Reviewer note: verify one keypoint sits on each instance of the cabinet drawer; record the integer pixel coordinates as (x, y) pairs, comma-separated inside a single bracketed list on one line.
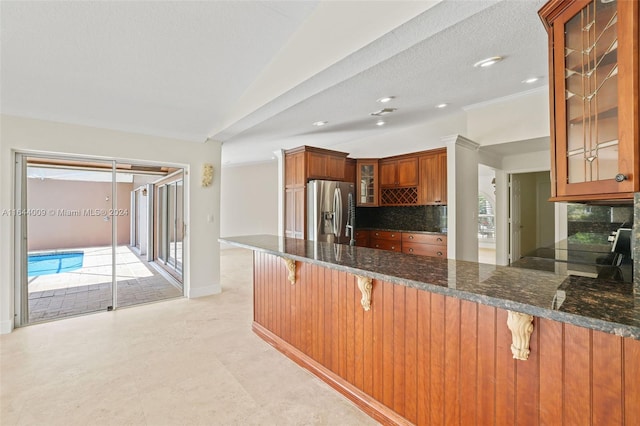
[(386, 235), (362, 234), (386, 245), (424, 249), (362, 242), (362, 238), (437, 239)]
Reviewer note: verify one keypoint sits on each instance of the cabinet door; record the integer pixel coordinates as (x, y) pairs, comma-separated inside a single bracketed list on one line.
[(350, 174), (317, 165), (407, 171), (295, 213), (335, 168), (594, 52), (362, 238), (388, 173), (367, 182), (433, 178), (441, 195), (289, 213), (294, 169), (300, 213)]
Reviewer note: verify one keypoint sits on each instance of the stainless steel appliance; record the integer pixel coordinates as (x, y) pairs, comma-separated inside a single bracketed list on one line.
[(329, 216)]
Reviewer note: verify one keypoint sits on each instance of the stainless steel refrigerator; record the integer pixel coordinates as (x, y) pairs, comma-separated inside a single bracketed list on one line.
[(331, 211)]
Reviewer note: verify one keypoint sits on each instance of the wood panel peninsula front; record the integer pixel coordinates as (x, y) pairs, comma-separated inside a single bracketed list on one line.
[(429, 341)]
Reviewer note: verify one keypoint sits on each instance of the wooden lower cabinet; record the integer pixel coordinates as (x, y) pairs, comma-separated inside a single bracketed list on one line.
[(362, 238), (385, 240), (423, 358), (434, 245), (424, 249)]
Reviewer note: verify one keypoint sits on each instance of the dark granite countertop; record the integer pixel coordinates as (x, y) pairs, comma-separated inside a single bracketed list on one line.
[(599, 304)]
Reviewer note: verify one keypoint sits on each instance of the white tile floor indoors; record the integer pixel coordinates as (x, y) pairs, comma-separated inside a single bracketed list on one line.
[(175, 362)]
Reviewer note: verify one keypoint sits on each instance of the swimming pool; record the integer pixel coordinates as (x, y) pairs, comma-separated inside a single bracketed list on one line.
[(54, 263)]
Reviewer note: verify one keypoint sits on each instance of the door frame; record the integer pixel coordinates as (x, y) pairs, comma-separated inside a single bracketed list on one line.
[(515, 218), (21, 294), (157, 186), (560, 213), (20, 261)]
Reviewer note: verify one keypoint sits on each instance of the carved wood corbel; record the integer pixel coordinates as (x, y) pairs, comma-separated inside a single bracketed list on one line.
[(365, 285), (521, 326), (291, 267)]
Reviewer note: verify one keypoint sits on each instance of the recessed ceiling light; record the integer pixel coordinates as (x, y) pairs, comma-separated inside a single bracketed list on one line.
[(530, 80), (380, 123), (320, 123), (441, 105), (383, 111), (488, 62), (386, 99)]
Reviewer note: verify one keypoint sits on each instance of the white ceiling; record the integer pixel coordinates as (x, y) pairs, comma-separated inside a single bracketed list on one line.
[(256, 74)]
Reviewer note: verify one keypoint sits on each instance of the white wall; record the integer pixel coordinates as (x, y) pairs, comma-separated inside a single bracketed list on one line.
[(249, 199), (529, 162), (510, 119), (202, 271)]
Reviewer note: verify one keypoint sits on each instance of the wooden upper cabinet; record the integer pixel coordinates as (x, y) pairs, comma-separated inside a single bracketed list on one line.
[(306, 163), (399, 171), (294, 172), (367, 182), (325, 166), (350, 170), (433, 178), (594, 86)]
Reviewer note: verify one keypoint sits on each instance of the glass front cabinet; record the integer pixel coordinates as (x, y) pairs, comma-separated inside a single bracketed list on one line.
[(593, 80), (367, 182)]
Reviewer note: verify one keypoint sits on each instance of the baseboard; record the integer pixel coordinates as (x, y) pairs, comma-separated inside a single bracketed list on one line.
[(6, 327), (203, 291), (366, 403)]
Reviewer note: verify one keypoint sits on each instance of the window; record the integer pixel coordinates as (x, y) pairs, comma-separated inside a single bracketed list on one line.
[(486, 219)]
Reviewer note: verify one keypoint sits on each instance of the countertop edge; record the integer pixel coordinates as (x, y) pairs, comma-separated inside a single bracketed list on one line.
[(621, 330)]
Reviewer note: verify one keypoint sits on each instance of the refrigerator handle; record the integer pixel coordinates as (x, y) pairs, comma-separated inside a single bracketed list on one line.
[(337, 212)]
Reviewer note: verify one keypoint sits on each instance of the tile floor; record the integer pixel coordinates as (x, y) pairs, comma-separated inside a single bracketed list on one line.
[(177, 362), (88, 289), (487, 255)]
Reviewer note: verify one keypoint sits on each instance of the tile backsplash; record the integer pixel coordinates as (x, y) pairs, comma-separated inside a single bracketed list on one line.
[(407, 218), (597, 220)]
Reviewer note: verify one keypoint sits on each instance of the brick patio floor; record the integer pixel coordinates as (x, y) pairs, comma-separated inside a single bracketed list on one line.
[(88, 289)]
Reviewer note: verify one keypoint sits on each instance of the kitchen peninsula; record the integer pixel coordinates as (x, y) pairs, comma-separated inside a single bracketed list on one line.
[(421, 340)]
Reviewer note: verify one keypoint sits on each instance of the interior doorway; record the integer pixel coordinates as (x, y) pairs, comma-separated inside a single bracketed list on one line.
[(531, 215), (486, 215), (81, 237)]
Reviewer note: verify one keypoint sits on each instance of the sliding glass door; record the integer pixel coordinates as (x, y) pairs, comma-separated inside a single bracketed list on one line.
[(170, 220), (85, 232), (67, 227)]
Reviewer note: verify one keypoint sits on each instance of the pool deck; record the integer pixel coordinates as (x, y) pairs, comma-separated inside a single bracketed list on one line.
[(88, 289)]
